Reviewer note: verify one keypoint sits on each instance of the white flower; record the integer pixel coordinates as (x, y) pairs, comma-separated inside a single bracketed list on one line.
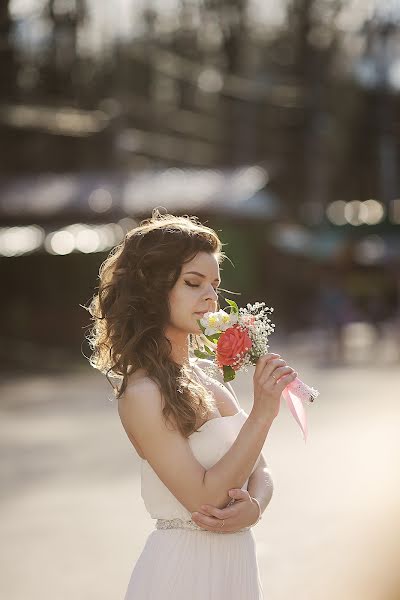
[(226, 320), (214, 322)]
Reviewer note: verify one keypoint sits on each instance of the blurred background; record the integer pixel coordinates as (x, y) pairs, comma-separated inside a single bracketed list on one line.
[(277, 124)]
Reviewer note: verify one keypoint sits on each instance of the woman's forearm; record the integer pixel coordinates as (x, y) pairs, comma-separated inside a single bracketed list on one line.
[(235, 467), (261, 486)]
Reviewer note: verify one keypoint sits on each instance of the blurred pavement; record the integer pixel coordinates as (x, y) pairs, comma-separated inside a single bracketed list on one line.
[(72, 521)]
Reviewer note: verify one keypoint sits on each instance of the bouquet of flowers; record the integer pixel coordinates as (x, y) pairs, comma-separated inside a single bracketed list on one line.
[(236, 339)]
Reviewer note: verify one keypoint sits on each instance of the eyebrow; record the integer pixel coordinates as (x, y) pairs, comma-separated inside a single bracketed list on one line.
[(200, 275)]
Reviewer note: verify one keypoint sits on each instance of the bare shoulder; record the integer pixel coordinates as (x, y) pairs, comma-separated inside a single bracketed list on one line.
[(162, 446), (227, 401), (140, 390)]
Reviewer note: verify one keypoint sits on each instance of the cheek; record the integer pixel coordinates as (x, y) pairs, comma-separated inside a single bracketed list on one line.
[(183, 299)]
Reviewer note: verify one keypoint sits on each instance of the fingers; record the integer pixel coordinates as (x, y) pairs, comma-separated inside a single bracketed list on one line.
[(274, 370), (262, 362), (285, 380), (280, 371), (211, 516), (270, 367), (219, 513), (208, 523)]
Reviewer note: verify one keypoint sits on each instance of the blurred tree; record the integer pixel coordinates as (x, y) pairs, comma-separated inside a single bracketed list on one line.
[(61, 72), (8, 63), (214, 86)]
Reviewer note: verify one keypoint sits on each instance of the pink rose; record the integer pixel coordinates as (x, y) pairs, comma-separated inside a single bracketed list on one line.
[(232, 342)]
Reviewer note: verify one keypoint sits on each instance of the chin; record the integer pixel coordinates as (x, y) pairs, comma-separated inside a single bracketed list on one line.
[(190, 327), (194, 330)]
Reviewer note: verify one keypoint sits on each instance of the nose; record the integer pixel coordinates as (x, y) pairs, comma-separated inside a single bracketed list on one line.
[(211, 294)]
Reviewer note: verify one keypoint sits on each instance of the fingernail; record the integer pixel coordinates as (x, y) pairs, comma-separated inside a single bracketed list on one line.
[(204, 508), (195, 514)]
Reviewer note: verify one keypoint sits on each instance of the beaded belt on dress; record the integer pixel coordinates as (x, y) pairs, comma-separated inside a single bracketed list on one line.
[(181, 524)]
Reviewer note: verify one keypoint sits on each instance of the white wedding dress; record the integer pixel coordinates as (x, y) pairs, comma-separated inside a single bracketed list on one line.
[(181, 561)]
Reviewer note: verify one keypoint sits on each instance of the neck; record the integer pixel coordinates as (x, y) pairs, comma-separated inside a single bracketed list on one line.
[(180, 345)]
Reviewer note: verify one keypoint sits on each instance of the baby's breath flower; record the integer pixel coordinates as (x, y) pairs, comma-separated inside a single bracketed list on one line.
[(252, 319)]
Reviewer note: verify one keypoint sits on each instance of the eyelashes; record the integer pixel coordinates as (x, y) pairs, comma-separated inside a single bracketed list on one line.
[(218, 290)]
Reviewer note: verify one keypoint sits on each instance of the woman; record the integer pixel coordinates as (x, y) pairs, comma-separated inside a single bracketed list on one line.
[(195, 441)]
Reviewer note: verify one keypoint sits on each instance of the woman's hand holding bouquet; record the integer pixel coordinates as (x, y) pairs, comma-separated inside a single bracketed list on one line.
[(270, 378), (237, 339)]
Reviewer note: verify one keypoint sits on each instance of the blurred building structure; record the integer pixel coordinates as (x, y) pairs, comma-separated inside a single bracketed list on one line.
[(275, 118)]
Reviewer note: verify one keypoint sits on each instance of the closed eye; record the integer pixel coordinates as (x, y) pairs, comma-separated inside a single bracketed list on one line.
[(197, 285)]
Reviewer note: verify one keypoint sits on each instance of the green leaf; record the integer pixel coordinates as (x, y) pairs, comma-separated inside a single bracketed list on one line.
[(214, 337), (209, 350), (229, 373), (233, 305), (201, 326), (201, 354)]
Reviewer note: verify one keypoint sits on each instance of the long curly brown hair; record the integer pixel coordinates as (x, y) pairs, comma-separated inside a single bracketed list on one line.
[(131, 310)]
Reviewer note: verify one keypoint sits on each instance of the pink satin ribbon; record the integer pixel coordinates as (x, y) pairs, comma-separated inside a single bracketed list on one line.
[(295, 394)]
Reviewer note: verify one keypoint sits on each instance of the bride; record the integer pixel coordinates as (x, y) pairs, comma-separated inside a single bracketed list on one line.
[(203, 473)]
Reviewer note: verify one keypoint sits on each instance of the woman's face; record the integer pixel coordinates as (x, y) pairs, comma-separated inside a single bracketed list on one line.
[(195, 292)]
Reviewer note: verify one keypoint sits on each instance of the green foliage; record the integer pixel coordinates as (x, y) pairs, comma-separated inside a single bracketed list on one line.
[(233, 305), (201, 354), (214, 337), (201, 326), (229, 373)]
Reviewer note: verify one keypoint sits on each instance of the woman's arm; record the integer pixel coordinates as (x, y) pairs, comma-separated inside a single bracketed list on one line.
[(244, 511), (140, 410), (260, 485)]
